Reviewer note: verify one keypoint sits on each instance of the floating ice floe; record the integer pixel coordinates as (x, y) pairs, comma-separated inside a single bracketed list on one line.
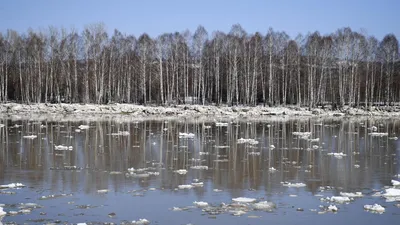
[(219, 124), (356, 166), (185, 186), (30, 136), (207, 127), (186, 135), (217, 190), (12, 185), (332, 208), (83, 127), (199, 167), (244, 200), (376, 134), (121, 133), (81, 224), (272, 169), (254, 153), (337, 199), (313, 140), (247, 141), (204, 153), (102, 191), (200, 204), (2, 213), (181, 171), (198, 184), (271, 146), (351, 194), (374, 208), (238, 212), (54, 196), (63, 148), (265, 205), (337, 155), (288, 184), (302, 135), (373, 128), (392, 194), (141, 222), (393, 138), (395, 183), (77, 130)]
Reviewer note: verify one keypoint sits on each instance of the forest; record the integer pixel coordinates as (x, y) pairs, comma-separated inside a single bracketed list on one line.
[(237, 68)]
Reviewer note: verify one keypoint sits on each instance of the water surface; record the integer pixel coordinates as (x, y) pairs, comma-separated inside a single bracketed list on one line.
[(91, 183)]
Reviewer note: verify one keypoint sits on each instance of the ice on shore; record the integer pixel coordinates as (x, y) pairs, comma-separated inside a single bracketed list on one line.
[(186, 135), (244, 200), (30, 136), (12, 185), (288, 184), (247, 141), (374, 208), (63, 148)]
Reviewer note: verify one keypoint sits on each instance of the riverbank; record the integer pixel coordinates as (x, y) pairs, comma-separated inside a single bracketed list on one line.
[(130, 111)]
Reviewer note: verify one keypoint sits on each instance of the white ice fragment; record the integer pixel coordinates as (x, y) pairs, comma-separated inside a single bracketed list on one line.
[(30, 136), (351, 194), (288, 184), (77, 130), (338, 199), (204, 153), (2, 213), (395, 183), (1, 125), (313, 140), (200, 204), (254, 153), (141, 222), (247, 141), (207, 127), (199, 184), (181, 171), (81, 224), (332, 208), (272, 169), (102, 191), (244, 200), (265, 205), (199, 167), (83, 127), (302, 135), (238, 212), (186, 135), (375, 208), (217, 190), (121, 133), (356, 166), (63, 148), (271, 146), (375, 134), (12, 185), (391, 192), (337, 155), (373, 128), (185, 186), (393, 138), (218, 124)]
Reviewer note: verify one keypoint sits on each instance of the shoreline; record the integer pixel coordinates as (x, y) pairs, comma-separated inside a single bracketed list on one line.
[(131, 112)]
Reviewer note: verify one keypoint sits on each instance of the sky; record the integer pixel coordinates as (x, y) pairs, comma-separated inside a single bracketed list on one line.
[(376, 17)]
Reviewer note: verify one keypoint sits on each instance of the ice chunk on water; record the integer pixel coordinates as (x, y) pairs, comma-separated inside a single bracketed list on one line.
[(199, 167), (247, 141), (265, 205), (200, 204), (375, 134), (375, 208), (83, 127), (288, 184), (81, 224), (181, 171), (63, 148), (217, 124), (272, 169), (351, 195), (2, 213), (121, 133), (141, 222), (12, 185), (244, 200), (186, 135), (395, 183), (332, 208), (30, 137), (338, 199), (302, 135), (337, 155), (185, 186), (102, 191)]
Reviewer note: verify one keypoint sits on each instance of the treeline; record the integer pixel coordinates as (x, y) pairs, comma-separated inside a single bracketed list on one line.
[(59, 65)]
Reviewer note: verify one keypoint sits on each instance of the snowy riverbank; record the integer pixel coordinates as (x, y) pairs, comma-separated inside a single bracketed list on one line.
[(129, 111)]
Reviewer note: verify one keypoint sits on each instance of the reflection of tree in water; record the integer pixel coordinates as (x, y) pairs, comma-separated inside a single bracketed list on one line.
[(232, 166)]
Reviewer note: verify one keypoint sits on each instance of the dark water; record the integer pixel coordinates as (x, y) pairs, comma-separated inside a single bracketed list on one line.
[(99, 160)]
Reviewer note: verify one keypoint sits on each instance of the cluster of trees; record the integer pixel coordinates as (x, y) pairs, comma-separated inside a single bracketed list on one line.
[(59, 65)]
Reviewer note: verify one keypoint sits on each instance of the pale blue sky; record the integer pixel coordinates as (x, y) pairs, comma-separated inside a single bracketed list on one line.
[(378, 17)]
